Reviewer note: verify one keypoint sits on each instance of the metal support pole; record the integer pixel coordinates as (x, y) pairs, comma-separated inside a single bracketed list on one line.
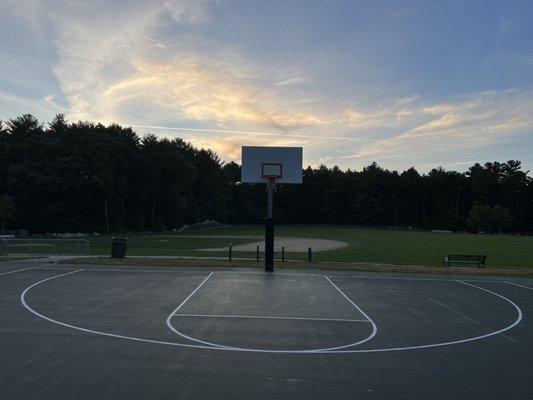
[(230, 250), (269, 228), (282, 253), (257, 253), (309, 254)]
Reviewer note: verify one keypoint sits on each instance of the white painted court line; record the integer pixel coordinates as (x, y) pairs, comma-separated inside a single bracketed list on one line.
[(159, 342), (516, 284), (18, 270), (173, 313), (426, 346), (319, 350), (374, 326), (133, 338), (188, 270), (190, 295), (359, 276), (78, 328), (184, 271), (406, 278), (270, 317), (179, 271)]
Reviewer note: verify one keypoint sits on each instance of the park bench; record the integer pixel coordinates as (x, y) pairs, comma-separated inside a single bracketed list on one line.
[(465, 259)]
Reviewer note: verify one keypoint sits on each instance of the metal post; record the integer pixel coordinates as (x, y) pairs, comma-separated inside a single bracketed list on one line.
[(269, 228), (229, 252), (257, 253), (309, 254), (282, 253)]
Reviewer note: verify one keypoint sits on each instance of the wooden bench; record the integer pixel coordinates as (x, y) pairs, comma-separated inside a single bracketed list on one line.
[(465, 259)]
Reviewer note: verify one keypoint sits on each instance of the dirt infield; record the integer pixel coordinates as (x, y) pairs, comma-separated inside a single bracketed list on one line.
[(291, 244)]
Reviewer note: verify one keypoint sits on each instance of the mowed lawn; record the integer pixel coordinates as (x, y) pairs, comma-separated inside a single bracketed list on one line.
[(364, 244)]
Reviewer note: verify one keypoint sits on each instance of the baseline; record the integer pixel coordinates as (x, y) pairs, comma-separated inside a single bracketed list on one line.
[(189, 270), (516, 284), (18, 270)]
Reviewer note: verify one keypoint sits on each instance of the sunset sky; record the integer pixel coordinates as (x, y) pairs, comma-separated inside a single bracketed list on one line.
[(402, 83)]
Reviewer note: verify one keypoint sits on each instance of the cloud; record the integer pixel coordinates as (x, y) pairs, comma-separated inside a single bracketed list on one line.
[(117, 64), (46, 105), (190, 11), (152, 64), (189, 87), (295, 80), (230, 147), (468, 122), (245, 133), (28, 10), (446, 120)]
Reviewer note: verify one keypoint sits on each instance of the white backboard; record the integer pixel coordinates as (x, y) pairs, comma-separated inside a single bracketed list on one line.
[(256, 160)]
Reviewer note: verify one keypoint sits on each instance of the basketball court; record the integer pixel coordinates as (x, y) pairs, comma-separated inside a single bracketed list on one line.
[(74, 331)]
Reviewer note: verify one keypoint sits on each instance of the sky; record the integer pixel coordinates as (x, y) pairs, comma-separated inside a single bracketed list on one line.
[(402, 83)]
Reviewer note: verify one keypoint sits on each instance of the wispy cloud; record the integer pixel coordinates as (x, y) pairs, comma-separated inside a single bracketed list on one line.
[(251, 133), (191, 11), (471, 121), (46, 104), (152, 65), (230, 148), (110, 68), (194, 88), (295, 80)]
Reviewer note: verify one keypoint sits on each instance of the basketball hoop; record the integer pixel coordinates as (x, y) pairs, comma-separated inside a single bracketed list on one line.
[(272, 171), (271, 165)]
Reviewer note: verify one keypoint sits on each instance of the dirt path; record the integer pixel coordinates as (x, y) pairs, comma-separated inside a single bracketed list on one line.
[(291, 244), (213, 236)]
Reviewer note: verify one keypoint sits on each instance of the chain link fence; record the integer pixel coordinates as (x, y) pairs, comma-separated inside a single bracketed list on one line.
[(35, 247)]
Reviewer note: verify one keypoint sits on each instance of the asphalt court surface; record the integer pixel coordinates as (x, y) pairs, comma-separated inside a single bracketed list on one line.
[(129, 332)]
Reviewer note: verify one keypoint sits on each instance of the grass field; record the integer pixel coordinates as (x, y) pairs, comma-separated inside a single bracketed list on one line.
[(365, 245)]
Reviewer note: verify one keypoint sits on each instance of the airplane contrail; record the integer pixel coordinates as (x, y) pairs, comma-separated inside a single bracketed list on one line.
[(222, 131)]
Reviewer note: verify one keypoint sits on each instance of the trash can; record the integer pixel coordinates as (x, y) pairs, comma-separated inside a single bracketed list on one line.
[(118, 247)]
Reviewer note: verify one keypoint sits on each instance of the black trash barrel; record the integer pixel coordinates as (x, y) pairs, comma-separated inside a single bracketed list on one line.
[(118, 247)]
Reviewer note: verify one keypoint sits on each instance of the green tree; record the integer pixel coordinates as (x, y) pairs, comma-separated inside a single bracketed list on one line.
[(489, 219), (7, 210), (480, 218), (88, 177), (502, 218)]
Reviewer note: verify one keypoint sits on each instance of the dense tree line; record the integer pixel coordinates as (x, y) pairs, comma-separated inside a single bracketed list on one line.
[(89, 177)]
